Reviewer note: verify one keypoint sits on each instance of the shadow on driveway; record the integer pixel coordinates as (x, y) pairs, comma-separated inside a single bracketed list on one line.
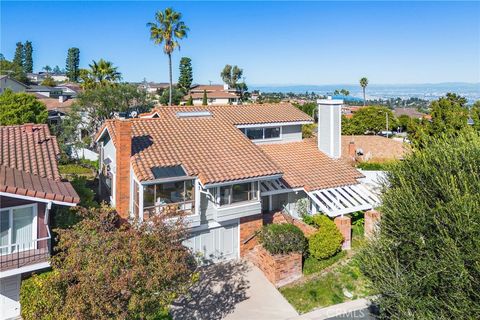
[(220, 288)]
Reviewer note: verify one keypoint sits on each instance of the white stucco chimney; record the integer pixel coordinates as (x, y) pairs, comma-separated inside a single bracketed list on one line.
[(330, 127)]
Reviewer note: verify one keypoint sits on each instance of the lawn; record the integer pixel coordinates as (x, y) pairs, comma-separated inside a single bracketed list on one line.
[(328, 289), (73, 168)]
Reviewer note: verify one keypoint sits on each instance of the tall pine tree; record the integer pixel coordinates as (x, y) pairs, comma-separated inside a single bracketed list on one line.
[(19, 56), (28, 59), (72, 64), (186, 75)]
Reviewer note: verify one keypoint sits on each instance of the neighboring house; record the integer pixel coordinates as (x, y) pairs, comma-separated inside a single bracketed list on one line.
[(372, 148), (152, 87), (222, 167), (410, 112), (348, 111), (40, 76), (29, 185), (9, 83), (216, 95)]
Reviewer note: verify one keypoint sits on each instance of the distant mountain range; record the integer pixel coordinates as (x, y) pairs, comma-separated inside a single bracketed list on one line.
[(427, 91)]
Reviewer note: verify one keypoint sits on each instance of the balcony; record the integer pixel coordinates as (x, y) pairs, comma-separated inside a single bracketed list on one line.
[(184, 208), (18, 255)]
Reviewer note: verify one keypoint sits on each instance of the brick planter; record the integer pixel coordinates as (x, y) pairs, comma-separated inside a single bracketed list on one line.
[(279, 269)]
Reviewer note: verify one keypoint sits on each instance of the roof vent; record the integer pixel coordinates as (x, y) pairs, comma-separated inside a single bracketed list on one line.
[(194, 114)]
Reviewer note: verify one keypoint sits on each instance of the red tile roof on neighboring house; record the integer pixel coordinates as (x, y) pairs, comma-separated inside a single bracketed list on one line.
[(212, 95), (374, 148), (212, 87), (304, 166), (248, 113), (29, 153)]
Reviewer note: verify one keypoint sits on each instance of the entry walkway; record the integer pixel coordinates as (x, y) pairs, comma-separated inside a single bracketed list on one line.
[(233, 290)]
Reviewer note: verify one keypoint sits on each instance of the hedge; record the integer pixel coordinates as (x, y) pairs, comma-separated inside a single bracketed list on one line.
[(327, 241), (282, 238)]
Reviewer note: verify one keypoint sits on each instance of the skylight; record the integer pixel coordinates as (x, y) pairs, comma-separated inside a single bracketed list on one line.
[(193, 114)]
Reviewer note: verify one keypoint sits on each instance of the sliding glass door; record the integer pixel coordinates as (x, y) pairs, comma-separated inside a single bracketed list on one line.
[(17, 229)]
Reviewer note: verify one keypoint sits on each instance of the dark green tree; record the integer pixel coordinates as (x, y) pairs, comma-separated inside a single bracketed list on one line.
[(186, 75), (49, 82), (57, 70), (20, 108), (177, 96), (449, 115), (190, 101), (12, 70), (205, 98), (28, 62), (72, 64), (424, 261), (19, 57), (168, 29), (369, 120)]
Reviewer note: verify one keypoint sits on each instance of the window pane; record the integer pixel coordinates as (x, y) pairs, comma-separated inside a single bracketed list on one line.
[(225, 195), (170, 192), (272, 133), (4, 226), (148, 196), (240, 192), (253, 192), (255, 133), (22, 227)]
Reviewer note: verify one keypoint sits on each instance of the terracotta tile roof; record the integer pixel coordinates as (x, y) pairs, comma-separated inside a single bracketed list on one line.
[(207, 147), (249, 113), (212, 87), (31, 150), (303, 165), (28, 157), (26, 184), (375, 148)]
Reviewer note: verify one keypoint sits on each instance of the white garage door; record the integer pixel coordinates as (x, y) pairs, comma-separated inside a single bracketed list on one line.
[(9, 297), (216, 244)]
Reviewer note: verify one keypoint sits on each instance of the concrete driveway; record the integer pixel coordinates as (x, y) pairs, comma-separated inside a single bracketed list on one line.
[(233, 290)]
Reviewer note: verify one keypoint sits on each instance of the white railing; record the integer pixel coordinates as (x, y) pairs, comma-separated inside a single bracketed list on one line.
[(17, 255), (170, 209)]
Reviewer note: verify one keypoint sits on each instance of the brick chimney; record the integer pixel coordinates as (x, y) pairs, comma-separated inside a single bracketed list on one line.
[(123, 154), (330, 127)]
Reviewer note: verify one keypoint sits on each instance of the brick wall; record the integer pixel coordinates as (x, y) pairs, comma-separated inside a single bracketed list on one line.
[(279, 269), (248, 227), (123, 153)]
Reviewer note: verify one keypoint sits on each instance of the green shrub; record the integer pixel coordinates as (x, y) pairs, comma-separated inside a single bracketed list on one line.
[(327, 241), (282, 238), (374, 166), (39, 297)]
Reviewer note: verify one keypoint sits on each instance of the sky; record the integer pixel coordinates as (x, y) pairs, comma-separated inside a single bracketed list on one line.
[(275, 43)]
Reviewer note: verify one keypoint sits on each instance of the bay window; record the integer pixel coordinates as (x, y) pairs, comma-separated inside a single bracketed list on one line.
[(178, 195)]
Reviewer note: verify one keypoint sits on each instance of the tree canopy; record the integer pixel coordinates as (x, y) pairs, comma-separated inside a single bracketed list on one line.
[(12, 69), (369, 120), (101, 73), (424, 261), (231, 75), (28, 59), (105, 269), (449, 115), (72, 64), (20, 108)]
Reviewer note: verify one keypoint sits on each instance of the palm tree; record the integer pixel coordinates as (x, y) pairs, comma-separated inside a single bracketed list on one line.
[(104, 72), (168, 28), (363, 84)]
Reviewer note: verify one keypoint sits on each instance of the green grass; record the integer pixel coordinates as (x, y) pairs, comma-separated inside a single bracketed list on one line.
[(312, 265), (72, 168), (328, 289)]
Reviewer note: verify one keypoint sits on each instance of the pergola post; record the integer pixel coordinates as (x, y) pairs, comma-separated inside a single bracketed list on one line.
[(344, 225)]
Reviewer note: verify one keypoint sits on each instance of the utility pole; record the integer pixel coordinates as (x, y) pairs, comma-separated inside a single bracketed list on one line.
[(386, 115)]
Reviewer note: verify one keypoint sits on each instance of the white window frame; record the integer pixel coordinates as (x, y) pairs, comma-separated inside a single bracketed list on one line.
[(10, 222)]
